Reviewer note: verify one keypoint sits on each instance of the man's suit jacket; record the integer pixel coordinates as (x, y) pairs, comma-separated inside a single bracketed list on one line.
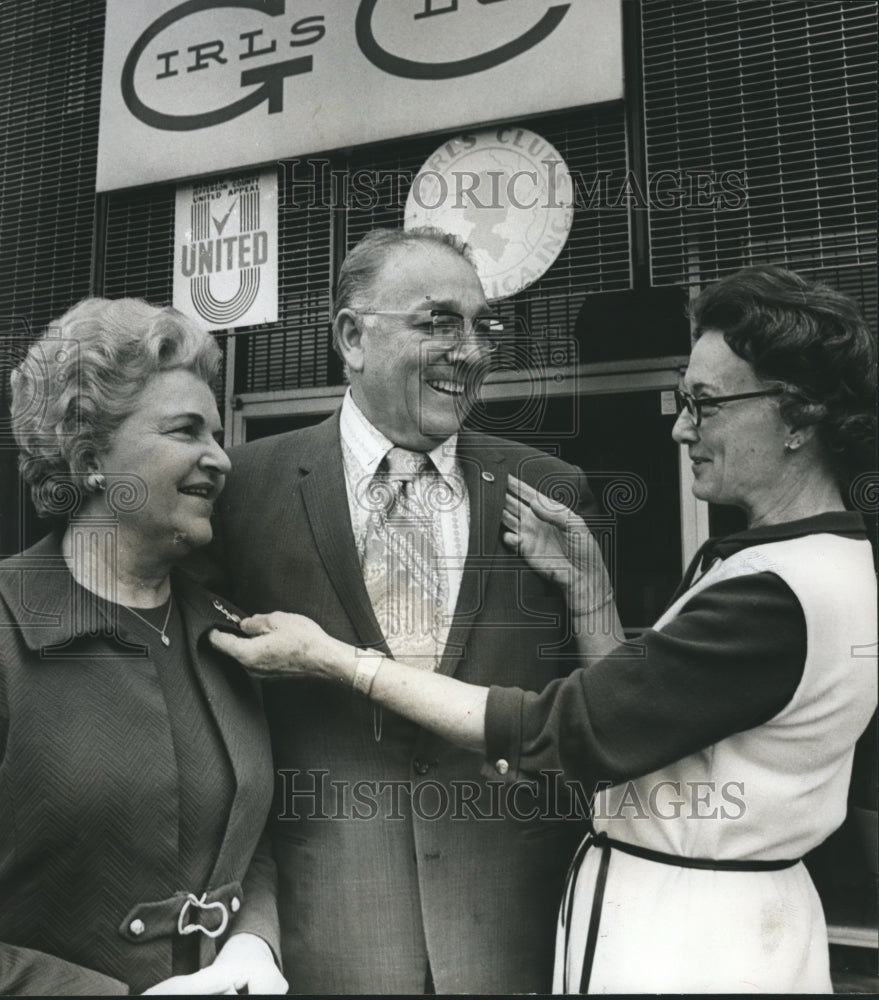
[(89, 835), (364, 866)]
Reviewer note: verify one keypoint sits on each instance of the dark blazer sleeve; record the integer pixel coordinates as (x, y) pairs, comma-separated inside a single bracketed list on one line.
[(729, 662), (24, 971), (587, 505), (259, 915)]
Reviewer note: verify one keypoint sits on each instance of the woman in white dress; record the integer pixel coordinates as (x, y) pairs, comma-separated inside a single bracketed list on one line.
[(719, 744)]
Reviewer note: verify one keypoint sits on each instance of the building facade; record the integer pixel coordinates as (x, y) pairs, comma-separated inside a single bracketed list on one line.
[(745, 133)]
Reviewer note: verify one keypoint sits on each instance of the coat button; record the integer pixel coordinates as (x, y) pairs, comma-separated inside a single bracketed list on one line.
[(420, 766), (488, 477), (137, 927), (234, 904), (502, 766)]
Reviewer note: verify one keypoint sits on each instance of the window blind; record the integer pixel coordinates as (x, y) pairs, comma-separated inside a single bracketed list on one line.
[(782, 93)]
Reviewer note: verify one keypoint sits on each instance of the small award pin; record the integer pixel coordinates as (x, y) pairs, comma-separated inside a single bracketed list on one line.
[(225, 611)]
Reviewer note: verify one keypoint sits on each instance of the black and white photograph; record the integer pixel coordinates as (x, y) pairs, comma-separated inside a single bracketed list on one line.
[(439, 497)]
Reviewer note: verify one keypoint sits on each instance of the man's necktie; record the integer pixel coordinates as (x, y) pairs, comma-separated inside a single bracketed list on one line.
[(404, 577)]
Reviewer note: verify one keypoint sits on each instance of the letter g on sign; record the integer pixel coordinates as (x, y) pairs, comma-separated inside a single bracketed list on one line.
[(412, 70), (270, 77)]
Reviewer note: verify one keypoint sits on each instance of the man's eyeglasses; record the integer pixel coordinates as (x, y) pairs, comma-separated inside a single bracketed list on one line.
[(441, 324), (693, 404)]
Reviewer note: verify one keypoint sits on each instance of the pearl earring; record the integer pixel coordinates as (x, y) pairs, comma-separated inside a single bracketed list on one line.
[(95, 482)]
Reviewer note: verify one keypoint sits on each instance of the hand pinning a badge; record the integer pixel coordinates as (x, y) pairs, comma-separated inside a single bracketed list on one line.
[(280, 645)]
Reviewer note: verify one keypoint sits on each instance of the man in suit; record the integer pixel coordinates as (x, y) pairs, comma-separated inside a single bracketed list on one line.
[(404, 864)]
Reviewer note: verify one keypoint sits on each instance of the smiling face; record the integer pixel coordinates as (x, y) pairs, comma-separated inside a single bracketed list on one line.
[(410, 387), (169, 443), (738, 449)]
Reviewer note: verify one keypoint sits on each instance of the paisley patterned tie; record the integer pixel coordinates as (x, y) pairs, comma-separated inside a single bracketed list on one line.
[(402, 571)]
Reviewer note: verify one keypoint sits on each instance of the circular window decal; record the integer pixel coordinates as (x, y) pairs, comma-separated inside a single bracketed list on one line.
[(508, 193)]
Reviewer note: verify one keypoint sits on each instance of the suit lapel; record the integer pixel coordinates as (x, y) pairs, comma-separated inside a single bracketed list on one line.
[(325, 497), (485, 473)]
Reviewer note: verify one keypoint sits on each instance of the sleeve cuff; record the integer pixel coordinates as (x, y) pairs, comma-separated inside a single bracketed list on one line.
[(503, 732), (260, 928)]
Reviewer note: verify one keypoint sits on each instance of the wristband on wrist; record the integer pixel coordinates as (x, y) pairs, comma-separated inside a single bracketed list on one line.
[(368, 663)]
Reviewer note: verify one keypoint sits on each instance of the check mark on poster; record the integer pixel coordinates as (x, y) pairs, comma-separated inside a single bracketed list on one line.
[(221, 223)]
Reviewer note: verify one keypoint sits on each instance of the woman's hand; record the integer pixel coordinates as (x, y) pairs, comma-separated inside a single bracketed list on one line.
[(285, 645), (557, 544), (245, 962)]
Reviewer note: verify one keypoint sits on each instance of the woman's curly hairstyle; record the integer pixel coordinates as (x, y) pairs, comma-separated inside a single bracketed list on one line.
[(83, 377), (814, 343)]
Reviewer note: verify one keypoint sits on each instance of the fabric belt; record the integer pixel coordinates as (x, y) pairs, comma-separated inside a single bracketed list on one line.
[(184, 913), (605, 844)]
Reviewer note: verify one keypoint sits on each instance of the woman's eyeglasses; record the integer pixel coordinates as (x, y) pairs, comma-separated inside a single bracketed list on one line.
[(693, 404), (485, 330)]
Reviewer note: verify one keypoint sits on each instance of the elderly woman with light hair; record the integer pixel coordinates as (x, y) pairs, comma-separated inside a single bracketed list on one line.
[(718, 744), (135, 769)]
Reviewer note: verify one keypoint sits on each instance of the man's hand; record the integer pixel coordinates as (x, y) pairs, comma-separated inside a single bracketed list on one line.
[(284, 645), (245, 962)]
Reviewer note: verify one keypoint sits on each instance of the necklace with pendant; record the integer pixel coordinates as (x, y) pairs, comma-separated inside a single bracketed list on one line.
[(165, 640)]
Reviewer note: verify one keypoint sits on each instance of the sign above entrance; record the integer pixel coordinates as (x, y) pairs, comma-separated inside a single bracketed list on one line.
[(204, 86), (507, 193)]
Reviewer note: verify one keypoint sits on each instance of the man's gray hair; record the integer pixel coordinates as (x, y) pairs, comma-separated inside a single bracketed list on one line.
[(359, 272)]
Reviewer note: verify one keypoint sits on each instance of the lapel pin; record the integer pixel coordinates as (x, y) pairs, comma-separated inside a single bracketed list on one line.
[(225, 611)]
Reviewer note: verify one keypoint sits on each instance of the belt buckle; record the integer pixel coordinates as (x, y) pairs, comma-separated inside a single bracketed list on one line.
[(183, 927)]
